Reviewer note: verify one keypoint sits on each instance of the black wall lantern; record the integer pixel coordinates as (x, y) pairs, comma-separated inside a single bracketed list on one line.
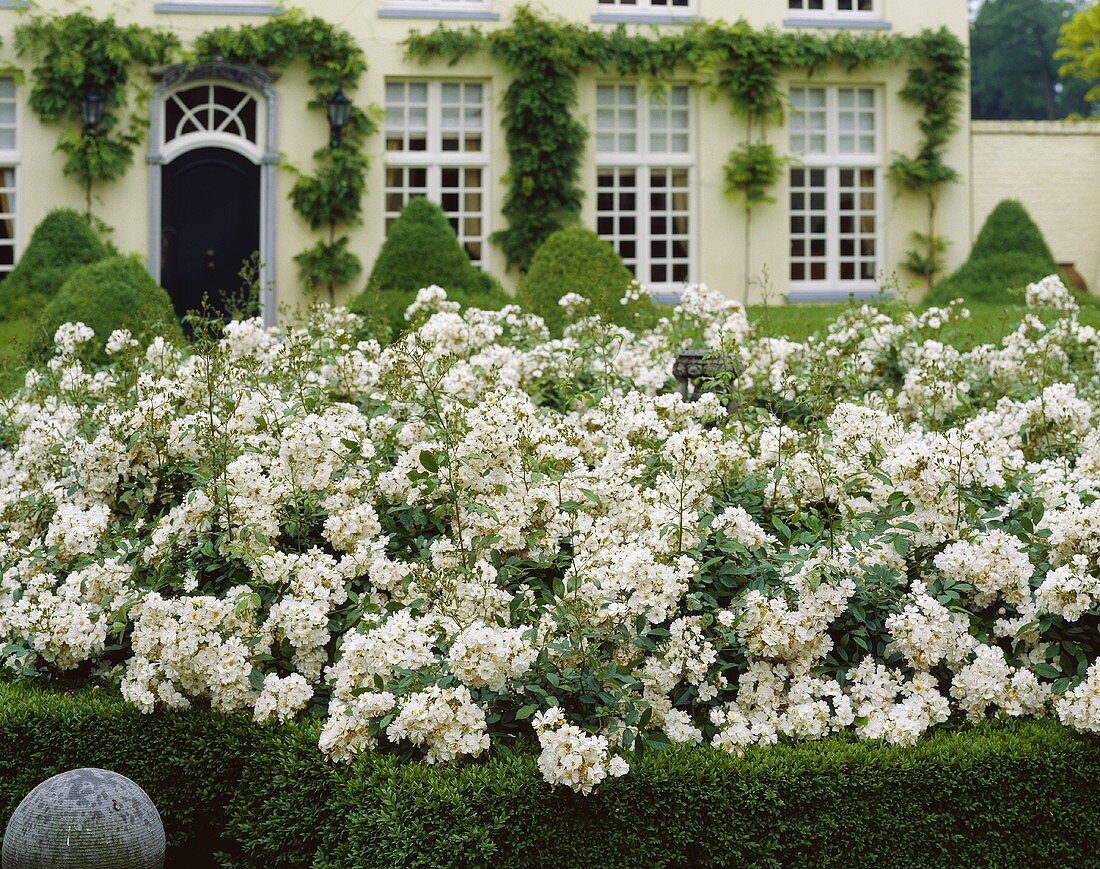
[(339, 110), (91, 107)]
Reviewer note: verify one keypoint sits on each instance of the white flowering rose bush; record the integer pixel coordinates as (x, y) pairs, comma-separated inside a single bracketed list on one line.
[(479, 536)]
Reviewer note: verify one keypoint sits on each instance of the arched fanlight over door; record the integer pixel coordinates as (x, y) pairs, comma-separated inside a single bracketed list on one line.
[(210, 108), (212, 114)]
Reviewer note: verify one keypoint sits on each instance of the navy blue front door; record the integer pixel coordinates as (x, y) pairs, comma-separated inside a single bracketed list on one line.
[(210, 226)]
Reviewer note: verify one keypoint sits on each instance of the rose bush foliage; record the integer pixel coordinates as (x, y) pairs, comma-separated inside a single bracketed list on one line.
[(480, 535)]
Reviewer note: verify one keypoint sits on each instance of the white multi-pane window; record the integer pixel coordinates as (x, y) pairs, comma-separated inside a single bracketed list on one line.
[(9, 157), (644, 180), (647, 6), (836, 188), (839, 8), (436, 147)]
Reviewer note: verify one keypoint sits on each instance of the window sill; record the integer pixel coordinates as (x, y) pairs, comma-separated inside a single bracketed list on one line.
[(666, 297), (218, 8), (441, 14), (834, 295), (642, 18), (839, 23)]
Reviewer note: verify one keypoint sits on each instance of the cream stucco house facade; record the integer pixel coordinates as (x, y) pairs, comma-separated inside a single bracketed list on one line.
[(652, 170)]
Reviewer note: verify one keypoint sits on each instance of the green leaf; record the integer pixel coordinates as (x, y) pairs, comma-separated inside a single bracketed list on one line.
[(525, 712), (591, 496)]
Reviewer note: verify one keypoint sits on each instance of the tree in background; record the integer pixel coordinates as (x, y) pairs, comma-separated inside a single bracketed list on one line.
[(1079, 47), (1015, 75)]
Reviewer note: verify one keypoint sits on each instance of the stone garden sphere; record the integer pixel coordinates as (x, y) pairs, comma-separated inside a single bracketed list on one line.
[(85, 819)]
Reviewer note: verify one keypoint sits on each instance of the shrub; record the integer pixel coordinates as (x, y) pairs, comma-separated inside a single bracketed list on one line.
[(576, 260), (1010, 229), (420, 250), (535, 526), (1009, 253), (264, 797), (959, 799), (385, 310), (115, 293), (60, 244), (187, 761), (996, 278)]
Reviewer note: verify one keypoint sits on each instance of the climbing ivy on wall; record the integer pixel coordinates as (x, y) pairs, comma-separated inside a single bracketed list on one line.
[(333, 195), (546, 142), (937, 82), (72, 52)]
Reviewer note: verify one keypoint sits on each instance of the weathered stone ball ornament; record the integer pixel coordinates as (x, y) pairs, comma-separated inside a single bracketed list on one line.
[(85, 819)]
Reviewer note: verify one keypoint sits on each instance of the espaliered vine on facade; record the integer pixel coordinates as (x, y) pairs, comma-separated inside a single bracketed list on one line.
[(72, 53), (546, 142), (936, 82), (333, 195)]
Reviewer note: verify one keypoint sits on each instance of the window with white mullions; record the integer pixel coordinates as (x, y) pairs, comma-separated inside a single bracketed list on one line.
[(838, 8), (644, 181), (9, 156), (647, 6), (809, 225), (7, 220), (244, 6), (402, 184), (435, 147), (858, 224), (835, 192)]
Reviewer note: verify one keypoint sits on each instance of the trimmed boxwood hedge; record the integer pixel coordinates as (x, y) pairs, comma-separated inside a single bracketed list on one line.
[(997, 794), (422, 249), (188, 762), (576, 260), (1008, 254), (62, 243), (115, 293)]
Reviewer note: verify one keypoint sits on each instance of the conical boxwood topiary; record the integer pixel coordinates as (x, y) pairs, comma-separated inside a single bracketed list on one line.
[(114, 293), (1009, 253), (62, 243), (421, 250), (385, 311), (1010, 229), (576, 260)]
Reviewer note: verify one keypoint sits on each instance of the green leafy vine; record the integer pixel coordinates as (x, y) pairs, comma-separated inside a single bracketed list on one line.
[(333, 195), (74, 52), (937, 81), (546, 142)]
